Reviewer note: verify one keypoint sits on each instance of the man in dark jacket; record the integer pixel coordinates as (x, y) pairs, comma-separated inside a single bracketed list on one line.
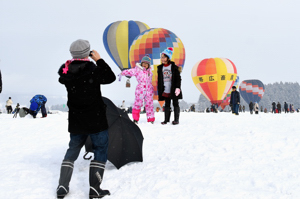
[(235, 100), (251, 107), (279, 107), (273, 107), (87, 114), (286, 107)]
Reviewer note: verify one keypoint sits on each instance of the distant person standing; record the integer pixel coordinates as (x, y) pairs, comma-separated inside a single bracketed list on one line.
[(244, 108), (273, 107), (9, 102), (251, 107), (256, 108), (286, 107), (261, 109), (235, 100), (279, 107), (123, 106)]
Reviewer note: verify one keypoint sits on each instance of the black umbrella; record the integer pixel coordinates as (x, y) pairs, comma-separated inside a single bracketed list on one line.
[(125, 137)]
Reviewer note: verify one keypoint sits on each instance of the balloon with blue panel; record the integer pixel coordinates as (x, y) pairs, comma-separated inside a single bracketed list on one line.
[(117, 39), (252, 90)]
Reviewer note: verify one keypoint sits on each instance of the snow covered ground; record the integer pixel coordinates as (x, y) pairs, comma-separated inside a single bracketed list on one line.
[(207, 156)]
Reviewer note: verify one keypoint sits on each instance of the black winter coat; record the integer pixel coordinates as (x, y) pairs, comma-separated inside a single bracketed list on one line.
[(279, 106), (175, 82), (235, 97), (87, 112), (251, 106)]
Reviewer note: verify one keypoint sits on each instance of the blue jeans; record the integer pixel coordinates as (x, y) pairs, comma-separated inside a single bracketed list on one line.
[(236, 108), (99, 141)]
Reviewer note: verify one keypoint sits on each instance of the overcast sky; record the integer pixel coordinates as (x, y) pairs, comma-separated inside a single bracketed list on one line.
[(260, 37)]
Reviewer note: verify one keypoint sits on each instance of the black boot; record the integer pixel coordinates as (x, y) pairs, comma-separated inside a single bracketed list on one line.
[(176, 115), (66, 171), (167, 115), (96, 176)]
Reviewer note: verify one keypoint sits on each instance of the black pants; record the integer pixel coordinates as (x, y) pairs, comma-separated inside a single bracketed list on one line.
[(9, 109), (168, 102)]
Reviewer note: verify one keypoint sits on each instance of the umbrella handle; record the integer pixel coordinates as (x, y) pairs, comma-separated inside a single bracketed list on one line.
[(84, 157)]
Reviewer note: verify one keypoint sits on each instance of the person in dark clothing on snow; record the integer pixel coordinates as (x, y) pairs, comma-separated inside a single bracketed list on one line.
[(169, 85), (286, 106), (16, 111), (87, 114), (235, 100), (251, 107), (279, 107), (273, 107)]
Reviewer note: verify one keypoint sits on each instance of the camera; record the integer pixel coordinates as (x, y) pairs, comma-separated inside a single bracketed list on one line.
[(90, 53)]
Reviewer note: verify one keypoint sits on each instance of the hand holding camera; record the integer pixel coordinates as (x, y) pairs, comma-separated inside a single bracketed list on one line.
[(95, 55)]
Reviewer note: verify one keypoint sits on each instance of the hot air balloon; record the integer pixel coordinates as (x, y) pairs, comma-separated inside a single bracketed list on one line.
[(226, 100), (214, 78), (117, 39), (252, 90), (153, 42)]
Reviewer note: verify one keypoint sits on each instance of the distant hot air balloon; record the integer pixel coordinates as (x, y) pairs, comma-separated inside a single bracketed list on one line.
[(226, 100), (153, 42), (252, 90), (118, 37), (214, 78)]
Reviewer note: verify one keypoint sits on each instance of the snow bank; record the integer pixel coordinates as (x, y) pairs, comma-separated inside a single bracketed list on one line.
[(206, 156)]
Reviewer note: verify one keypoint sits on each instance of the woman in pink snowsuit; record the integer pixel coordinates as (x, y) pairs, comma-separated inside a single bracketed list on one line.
[(144, 89)]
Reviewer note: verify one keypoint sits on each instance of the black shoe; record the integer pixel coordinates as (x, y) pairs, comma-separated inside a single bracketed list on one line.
[(135, 121), (96, 176), (64, 179), (174, 122), (167, 115), (176, 115)]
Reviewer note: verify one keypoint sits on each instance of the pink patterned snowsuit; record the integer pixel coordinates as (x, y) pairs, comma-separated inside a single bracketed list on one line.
[(143, 91)]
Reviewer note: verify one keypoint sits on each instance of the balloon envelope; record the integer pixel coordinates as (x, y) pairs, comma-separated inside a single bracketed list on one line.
[(214, 78), (252, 90), (117, 39), (153, 42)]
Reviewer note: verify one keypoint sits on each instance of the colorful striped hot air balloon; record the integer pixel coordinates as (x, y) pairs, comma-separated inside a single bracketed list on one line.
[(226, 100), (153, 42), (214, 78), (252, 90), (117, 39)]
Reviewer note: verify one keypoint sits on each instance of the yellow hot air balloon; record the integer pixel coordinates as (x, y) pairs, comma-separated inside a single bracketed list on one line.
[(117, 39), (214, 78)]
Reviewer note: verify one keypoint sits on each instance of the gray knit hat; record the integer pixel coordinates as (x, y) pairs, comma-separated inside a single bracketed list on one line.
[(80, 48)]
